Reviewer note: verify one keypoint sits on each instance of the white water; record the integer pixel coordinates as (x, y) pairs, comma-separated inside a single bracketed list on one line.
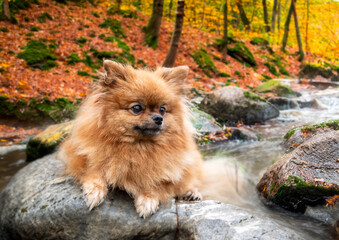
[(255, 157)]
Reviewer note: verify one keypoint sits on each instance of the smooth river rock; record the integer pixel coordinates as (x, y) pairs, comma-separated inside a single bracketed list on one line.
[(230, 105), (41, 203)]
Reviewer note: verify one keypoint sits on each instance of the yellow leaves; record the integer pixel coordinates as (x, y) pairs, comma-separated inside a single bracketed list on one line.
[(4, 64)]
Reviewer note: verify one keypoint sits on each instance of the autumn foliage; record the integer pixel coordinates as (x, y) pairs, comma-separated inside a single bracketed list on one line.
[(76, 40)]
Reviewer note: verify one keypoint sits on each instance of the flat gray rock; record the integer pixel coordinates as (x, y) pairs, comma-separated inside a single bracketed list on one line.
[(216, 221), (41, 203)]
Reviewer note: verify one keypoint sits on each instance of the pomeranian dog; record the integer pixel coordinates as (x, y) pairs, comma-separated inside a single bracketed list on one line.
[(133, 133)]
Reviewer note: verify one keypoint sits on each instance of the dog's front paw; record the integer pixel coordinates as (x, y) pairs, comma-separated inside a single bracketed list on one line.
[(146, 206), (94, 192), (192, 196)]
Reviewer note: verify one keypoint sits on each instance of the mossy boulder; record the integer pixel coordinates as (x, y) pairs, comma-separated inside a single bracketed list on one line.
[(38, 55), (232, 104), (35, 110), (311, 71), (241, 53), (275, 86), (47, 141), (306, 176), (262, 43), (259, 41), (295, 137), (201, 57)]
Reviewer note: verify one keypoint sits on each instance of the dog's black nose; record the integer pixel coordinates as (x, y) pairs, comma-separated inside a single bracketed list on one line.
[(157, 119)]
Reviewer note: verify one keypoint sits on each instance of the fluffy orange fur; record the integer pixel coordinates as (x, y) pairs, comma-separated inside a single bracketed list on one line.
[(112, 145)]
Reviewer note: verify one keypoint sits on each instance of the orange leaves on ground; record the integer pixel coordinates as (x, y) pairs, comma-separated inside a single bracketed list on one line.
[(70, 22), (10, 134), (331, 201)]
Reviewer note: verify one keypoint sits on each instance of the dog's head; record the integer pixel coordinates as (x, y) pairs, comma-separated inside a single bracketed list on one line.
[(142, 104)]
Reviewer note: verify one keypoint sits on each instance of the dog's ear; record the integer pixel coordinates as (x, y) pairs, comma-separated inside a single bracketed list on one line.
[(113, 72), (175, 76)]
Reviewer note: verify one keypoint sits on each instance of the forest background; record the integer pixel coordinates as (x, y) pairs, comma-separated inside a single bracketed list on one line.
[(51, 51)]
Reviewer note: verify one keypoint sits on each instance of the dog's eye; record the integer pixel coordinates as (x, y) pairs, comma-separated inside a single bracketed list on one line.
[(137, 109), (162, 110)]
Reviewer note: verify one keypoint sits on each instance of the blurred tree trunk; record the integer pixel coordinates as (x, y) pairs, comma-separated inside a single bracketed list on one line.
[(297, 29), (6, 9), (224, 51), (274, 15), (242, 13), (170, 9), (203, 18), (267, 26), (152, 30), (179, 21), (307, 19), (279, 14), (287, 26)]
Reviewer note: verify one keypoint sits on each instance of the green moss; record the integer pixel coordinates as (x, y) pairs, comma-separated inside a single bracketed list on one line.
[(30, 34), (34, 110), (102, 36), (201, 57), (333, 124), (48, 65), (83, 73), (88, 61), (151, 40), (312, 70), (38, 55), (109, 39), (95, 14), (282, 69), (81, 40), (26, 19), (219, 42), (103, 54), (123, 57), (276, 87), (35, 29), (128, 14), (272, 68), (73, 58), (141, 62), (272, 188), (23, 210), (253, 96), (43, 207), (42, 18), (4, 29), (222, 74), (298, 195), (92, 34), (241, 53), (114, 25), (259, 41)]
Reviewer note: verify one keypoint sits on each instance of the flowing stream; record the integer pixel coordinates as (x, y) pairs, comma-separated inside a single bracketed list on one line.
[(254, 156)]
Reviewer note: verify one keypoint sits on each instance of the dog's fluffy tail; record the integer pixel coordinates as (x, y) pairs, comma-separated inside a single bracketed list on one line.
[(225, 182)]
